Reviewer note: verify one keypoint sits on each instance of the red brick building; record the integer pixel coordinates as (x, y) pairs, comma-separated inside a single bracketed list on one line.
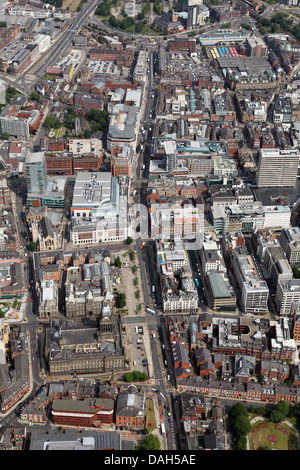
[(296, 327), (129, 409), (91, 412), (67, 164), (181, 45)]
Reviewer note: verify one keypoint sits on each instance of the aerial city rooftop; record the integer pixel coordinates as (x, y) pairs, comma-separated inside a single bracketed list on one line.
[(149, 225)]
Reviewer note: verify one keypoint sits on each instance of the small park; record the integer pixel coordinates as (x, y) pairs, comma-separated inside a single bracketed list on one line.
[(266, 435), (271, 427)]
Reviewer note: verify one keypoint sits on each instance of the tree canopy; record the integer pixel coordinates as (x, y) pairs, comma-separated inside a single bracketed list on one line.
[(121, 301), (51, 122), (151, 442), (97, 119), (241, 424)]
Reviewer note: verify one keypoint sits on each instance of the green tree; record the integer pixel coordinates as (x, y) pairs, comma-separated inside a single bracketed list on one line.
[(113, 21), (126, 23), (277, 416), (35, 96), (118, 262), (51, 122), (238, 410), (297, 410), (32, 246), (151, 442), (121, 301), (103, 8), (128, 377), (241, 443), (283, 407), (246, 26), (97, 119), (242, 425), (87, 134), (139, 27), (5, 136), (128, 241), (139, 376), (10, 92), (296, 272)]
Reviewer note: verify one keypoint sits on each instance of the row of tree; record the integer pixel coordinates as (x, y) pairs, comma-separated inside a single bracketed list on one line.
[(136, 376)]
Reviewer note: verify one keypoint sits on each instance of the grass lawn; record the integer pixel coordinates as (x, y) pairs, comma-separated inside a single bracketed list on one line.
[(66, 3), (269, 435), (59, 132), (74, 5), (50, 77), (150, 418)]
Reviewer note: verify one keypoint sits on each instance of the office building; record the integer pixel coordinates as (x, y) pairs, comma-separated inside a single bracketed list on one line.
[(277, 167), (290, 241), (254, 291), (197, 13), (288, 297), (88, 412), (277, 265), (256, 47), (41, 189), (99, 208), (171, 155), (221, 293), (14, 126), (282, 110), (36, 173), (122, 129), (95, 195)]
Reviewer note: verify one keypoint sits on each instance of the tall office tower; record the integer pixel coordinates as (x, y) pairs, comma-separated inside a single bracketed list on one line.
[(36, 173), (277, 168), (197, 13), (171, 155)]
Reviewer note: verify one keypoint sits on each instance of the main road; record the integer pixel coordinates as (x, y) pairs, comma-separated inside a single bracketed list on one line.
[(59, 47)]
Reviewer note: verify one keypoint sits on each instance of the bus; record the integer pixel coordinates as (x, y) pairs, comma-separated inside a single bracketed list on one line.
[(153, 289), (197, 282), (163, 431), (149, 310)]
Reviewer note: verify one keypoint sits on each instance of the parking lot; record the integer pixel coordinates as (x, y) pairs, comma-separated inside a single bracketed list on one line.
[(194, 63), (137, 347), (74, 58), (106, 67)]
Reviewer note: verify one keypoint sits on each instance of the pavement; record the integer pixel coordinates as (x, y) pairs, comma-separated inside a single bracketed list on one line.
[(17, 315), (128, 282)]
